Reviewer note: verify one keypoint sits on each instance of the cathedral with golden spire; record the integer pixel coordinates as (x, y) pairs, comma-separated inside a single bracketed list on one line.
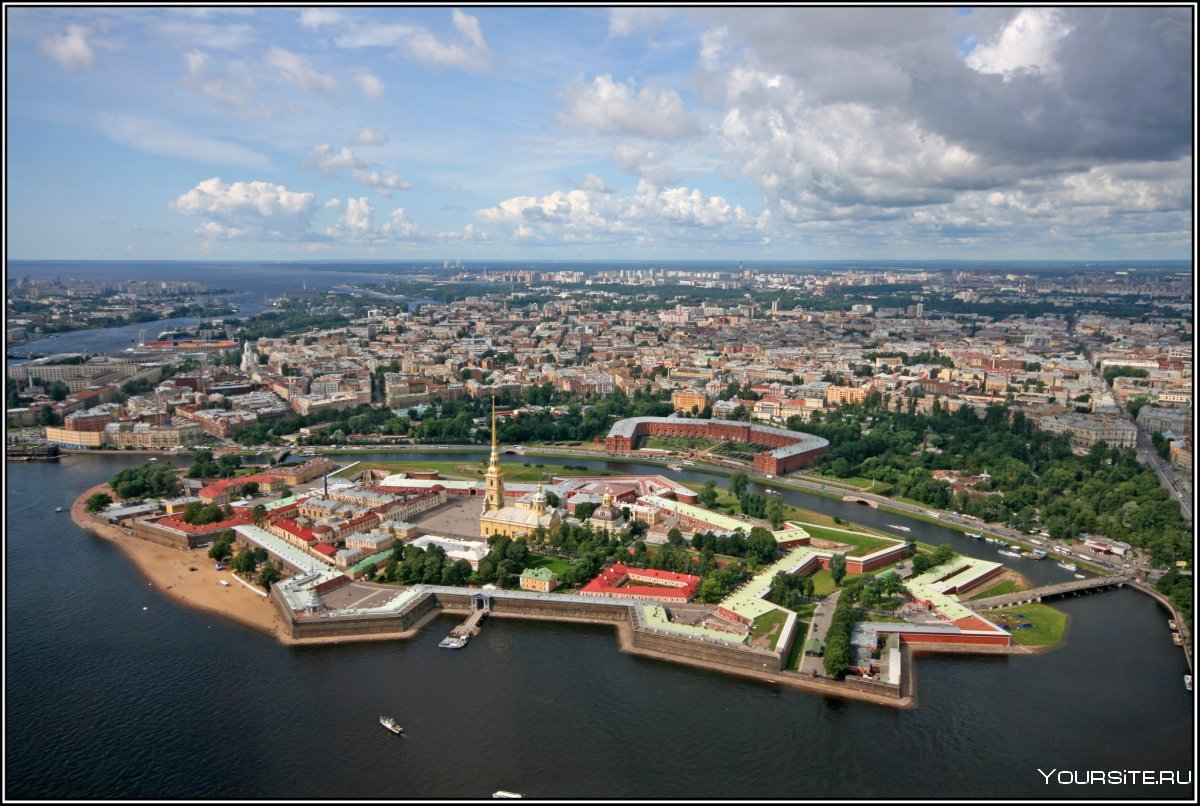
[(524, 515)]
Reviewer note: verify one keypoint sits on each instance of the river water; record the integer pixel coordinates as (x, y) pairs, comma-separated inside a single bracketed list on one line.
[(114, 691), (250, 286)]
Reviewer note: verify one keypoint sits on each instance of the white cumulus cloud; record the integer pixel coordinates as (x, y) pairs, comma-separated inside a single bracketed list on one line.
[(612, 107), (370, 84), (329, 162), (71, 49), (642, 163), (260, 210), (325, 159), (1028, 43), (382, 182)]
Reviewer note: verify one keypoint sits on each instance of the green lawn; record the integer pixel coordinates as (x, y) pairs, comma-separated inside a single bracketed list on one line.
[(766, 622), (862, 543), (727, 503), (447, 468), (556, 564), (513, 471), (797, 652), (1050, 625), (823, 583), (999, 589), (677, 443), (861, 482)]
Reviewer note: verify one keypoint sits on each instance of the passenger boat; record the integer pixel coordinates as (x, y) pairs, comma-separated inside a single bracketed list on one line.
[(899, 527), (1068, 566), (391, 725), (453, 642), (676, 468), (504, 793), (1008, 553)]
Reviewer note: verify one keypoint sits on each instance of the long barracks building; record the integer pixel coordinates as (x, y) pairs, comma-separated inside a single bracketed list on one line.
[(789, 450)]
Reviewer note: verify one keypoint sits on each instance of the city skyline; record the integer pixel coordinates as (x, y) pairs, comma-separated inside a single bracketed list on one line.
[(562, 133)]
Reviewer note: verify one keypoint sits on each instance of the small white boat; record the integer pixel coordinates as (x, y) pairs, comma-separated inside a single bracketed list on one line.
[(1008, 553), (59, 509), (769, 491), (391, 724), (676, 468), (1080, 576), (975, 535), (504, 793), (898, 527), (1068, 566), (1187, 681), (452, 642)]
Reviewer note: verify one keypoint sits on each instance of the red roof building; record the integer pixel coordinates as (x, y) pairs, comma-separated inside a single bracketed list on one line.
[(662, 586)]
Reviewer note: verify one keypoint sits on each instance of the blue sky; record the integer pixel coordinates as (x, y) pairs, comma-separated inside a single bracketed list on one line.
[(548, 133)]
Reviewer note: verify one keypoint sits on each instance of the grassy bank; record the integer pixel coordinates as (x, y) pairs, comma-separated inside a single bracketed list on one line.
[(1049, 625)]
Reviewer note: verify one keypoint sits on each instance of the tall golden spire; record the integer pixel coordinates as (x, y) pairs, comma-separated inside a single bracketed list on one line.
[(494, 478)]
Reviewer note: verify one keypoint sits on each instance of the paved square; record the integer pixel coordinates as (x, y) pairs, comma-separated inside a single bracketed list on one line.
[(458, 517)]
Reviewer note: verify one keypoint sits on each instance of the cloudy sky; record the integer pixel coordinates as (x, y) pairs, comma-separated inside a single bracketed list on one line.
[(546, 133)]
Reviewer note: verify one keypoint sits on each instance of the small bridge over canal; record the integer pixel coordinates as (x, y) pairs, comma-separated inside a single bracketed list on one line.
[(854, 499), (1072, 588)]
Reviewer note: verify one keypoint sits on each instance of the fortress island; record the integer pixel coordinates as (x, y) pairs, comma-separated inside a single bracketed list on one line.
[(333, 542)]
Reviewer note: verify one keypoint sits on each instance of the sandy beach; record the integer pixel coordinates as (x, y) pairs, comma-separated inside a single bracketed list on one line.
[(166, 569)]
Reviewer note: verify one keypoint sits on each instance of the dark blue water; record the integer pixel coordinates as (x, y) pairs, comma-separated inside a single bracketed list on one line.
[(106, 700)]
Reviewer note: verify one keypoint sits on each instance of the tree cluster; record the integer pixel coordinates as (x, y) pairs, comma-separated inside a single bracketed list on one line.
[(152, 478), (924, 562), (430, 567), (198, 514), (837, 642), (790, 591), (1040, 479), (96, 502)]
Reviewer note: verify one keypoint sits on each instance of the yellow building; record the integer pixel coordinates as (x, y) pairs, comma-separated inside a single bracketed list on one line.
[(523, 516), (542, 580), (685, 399)]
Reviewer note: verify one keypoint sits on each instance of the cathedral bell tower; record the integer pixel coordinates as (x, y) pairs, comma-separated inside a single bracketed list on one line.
[(493, 497)]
